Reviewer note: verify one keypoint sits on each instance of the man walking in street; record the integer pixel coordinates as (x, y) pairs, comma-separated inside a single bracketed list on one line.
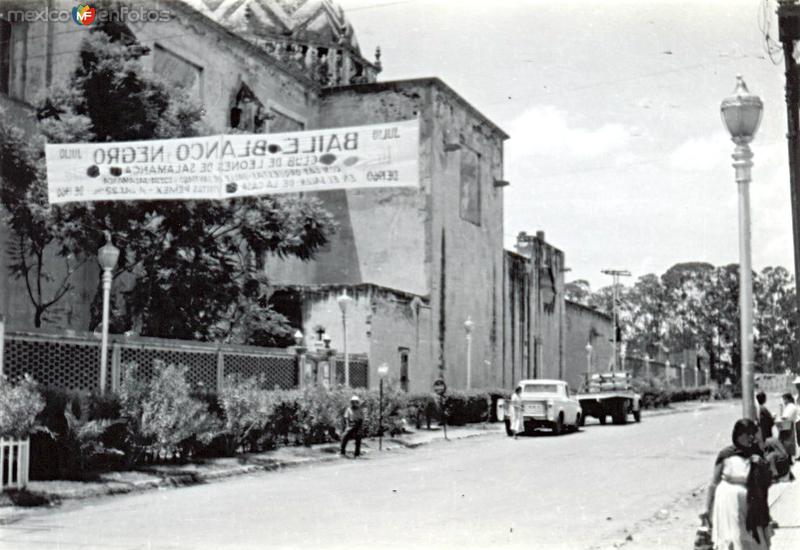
[(353, 421)]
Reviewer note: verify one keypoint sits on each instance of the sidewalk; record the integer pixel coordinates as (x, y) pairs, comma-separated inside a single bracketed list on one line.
[(675, 525), (41, 493), (785, 509)]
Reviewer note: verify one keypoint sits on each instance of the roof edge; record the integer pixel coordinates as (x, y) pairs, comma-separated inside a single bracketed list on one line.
[(426, 81)]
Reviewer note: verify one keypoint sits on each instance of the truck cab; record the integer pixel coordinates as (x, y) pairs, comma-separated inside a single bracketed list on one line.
[(544, 403)]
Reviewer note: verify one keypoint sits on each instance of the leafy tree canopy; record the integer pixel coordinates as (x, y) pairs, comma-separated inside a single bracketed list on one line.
[(188, 269)]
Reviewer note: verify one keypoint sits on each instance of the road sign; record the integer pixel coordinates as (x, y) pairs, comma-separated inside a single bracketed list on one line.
[(440, 387)]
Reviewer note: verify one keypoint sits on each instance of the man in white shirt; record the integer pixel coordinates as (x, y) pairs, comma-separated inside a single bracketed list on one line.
[(788, 419)]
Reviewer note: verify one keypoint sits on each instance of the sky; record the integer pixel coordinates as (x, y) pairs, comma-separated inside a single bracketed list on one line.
[(617, 150)]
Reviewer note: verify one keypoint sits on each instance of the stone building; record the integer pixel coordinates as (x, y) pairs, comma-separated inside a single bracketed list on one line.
[(586, 325), (430, 281)]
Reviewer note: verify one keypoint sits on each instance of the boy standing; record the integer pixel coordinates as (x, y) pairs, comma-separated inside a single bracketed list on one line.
[(353, 420)]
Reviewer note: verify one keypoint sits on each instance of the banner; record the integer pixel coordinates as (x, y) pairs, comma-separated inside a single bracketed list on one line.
[(239, 165)]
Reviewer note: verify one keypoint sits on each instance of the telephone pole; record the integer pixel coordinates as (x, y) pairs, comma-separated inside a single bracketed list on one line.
[(789, 33), (615, 274)]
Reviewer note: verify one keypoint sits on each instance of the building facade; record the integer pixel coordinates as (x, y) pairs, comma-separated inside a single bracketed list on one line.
[(431, 283)]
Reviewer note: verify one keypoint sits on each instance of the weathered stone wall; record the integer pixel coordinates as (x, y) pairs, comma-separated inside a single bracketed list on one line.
[(586, 325), (381, 234), (417, 241), (466, 242), (516, 328), (534, 313), (380, 323)]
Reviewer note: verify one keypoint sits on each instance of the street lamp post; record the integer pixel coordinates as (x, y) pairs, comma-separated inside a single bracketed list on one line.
[(107, 257), (646, 366), (383, 370), (666, 370), (468, 324), (683, 375), (588, 362), (299, 349), (741, 114), (344, 301)]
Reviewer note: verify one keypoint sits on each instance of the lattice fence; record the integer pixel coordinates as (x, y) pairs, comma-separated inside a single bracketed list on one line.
[(201, 366), (68, 364), (73, 362), (359, 369), (271, 371)]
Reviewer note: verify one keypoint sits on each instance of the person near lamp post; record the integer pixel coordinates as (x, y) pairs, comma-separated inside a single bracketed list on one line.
[(353, 421)]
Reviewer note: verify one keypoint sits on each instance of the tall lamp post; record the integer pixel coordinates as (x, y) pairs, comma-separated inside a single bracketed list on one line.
[(344, 301), (300, 349), (383, 370), (741, 114), (107, 257), (588, 362), (468, 324)]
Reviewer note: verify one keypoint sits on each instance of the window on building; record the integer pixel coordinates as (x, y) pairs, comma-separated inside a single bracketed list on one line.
[(179, 71), (470, 205), (13, 55), (404, 369), (248, 114)]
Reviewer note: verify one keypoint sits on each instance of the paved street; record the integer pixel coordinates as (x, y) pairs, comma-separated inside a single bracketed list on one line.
[(567, 492)]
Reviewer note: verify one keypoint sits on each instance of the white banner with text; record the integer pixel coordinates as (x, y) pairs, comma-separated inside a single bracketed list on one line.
[(238, 165)]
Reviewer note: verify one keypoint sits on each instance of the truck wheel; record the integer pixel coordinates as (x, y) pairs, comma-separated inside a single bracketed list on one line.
[(637, 415), (558, 427), (602, 418), (509, 431), (620, 415)]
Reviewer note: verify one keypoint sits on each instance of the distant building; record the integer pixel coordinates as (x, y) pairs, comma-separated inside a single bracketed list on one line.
[(586, 325)]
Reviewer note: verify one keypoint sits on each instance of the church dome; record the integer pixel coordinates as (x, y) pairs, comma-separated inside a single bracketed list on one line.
[(304, 21)]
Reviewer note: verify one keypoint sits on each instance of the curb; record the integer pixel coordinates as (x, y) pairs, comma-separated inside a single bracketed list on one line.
[(186, 479)]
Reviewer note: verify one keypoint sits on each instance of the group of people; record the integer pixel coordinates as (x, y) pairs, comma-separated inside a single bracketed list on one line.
[(737, 505)]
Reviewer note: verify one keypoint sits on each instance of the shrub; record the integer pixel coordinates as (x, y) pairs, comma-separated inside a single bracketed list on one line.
[(320, 412), (20, 404), (395, 403), (422, 406), (246, 413), (496, 394), (164, 420), (82, 447), (463, 407)]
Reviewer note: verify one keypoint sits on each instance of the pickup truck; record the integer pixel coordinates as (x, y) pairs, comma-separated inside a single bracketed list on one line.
[(610, 394), (545, 403)]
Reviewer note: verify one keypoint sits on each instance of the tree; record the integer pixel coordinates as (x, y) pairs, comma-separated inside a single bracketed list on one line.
[(33, 245), (578, 291), (189, 269)]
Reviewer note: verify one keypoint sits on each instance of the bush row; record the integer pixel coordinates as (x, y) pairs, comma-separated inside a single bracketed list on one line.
[(74, 434), (656, 392), (460, 407)]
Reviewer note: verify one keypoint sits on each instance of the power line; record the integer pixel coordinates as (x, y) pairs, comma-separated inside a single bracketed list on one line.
[(602, 83)]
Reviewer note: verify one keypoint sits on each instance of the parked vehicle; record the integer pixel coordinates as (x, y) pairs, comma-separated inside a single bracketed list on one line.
[(545, 403), (610, 394)]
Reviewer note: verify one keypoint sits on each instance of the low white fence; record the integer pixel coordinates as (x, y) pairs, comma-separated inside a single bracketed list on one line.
[(14, 461)]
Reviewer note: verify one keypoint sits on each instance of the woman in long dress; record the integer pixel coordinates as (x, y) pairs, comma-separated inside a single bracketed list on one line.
[(737, 506), (517, 420)]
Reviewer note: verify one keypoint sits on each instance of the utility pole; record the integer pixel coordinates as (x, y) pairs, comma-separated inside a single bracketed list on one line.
[(789, 32), (615, 274)]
